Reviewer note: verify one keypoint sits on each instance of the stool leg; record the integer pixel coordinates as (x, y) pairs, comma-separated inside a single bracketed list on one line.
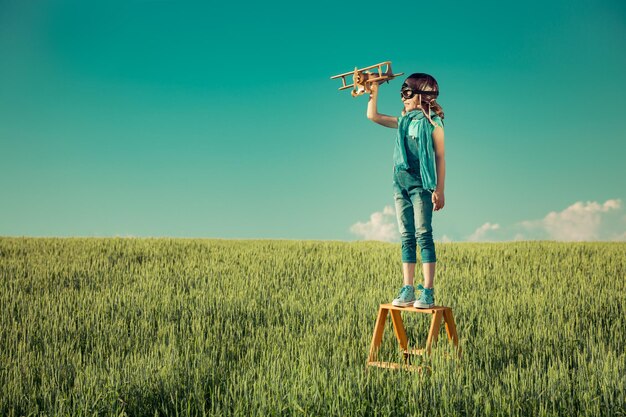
[(378, 333), (398, 328), (433, 334), (450, 327), (451, 330)]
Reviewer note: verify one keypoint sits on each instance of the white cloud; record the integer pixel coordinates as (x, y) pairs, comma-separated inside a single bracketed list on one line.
[(445, 239), (579, 222), (481, 233), (381, 226)]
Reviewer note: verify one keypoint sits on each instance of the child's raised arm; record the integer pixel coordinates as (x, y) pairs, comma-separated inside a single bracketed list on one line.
[(372, 110)]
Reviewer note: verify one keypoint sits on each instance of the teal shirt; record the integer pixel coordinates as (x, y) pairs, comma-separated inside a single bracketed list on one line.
[(414, 126), (412, 152)]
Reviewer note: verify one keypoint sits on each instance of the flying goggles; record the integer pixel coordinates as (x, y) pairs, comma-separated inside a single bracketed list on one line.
[(407, 92)]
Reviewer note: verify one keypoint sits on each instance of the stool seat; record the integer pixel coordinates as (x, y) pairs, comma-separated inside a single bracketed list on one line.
[(439, 314), (429, 310)]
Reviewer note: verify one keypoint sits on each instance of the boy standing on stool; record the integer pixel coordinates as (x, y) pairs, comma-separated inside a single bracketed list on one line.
[(418, 179)]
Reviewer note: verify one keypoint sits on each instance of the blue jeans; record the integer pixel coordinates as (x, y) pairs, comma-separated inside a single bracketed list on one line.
[(414, 209)]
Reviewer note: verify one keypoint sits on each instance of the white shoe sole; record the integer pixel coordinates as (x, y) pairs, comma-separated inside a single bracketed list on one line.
[(402, 304), (419, 305)]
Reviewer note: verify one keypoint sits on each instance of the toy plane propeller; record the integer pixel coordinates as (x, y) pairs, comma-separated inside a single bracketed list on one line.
[(363, 77)]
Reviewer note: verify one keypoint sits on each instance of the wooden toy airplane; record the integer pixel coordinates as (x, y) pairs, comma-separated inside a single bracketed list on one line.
[(362, 78)]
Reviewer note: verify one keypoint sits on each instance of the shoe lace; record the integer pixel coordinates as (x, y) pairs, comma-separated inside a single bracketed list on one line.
[(404, 289), (425, 295)]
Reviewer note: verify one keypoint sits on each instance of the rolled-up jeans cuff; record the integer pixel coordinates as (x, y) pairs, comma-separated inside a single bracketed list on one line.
[(409, 260)]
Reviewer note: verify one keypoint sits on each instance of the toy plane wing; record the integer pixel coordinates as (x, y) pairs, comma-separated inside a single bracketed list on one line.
[(362, 78)]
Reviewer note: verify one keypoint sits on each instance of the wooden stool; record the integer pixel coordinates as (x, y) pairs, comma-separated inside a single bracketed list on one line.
[(438, 313)]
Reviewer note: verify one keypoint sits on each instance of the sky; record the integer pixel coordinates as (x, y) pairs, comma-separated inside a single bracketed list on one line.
[(220, 120)]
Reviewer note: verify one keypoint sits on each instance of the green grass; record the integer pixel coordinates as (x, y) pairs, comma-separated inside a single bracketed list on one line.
[(216, 327)]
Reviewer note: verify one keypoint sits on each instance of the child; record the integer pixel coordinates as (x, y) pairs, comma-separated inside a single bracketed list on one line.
[(418, 179)]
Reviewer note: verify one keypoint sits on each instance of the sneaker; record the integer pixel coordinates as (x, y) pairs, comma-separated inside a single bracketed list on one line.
[(405, 298), (426, 299)]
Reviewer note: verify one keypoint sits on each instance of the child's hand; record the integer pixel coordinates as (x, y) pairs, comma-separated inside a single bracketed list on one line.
[(439, 200), (373, 87)]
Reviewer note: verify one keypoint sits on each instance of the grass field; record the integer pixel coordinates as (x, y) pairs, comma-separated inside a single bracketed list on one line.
[(217, 327)]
